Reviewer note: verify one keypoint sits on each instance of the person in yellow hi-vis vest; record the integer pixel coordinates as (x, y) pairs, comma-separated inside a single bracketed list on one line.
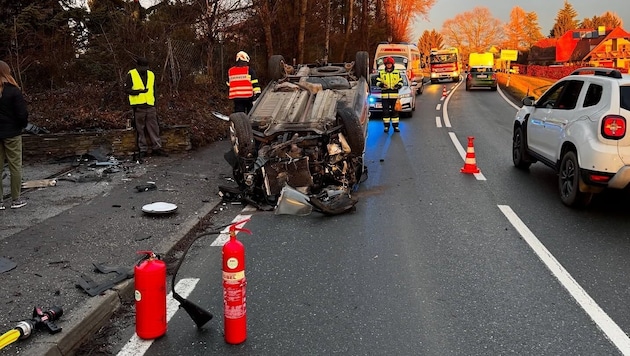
[(389, 80), (140, 86)]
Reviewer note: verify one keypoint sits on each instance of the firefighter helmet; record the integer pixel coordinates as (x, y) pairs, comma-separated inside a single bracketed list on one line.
[(242, 56), (388, 60)]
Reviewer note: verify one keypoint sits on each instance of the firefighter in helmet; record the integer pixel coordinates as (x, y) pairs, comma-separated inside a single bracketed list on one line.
[(243, 83), (389, 80)]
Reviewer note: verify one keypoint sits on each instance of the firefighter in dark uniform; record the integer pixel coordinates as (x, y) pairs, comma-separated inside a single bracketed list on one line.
[(389, 80), (243, 83)]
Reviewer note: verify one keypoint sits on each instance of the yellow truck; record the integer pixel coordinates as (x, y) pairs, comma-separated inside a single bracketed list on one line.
[(481, 71)]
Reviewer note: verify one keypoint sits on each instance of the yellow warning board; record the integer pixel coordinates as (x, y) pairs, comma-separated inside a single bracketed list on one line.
[(509, 54)]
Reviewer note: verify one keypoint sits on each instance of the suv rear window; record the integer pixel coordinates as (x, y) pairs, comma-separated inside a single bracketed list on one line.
[(624, 94), (593, 95)]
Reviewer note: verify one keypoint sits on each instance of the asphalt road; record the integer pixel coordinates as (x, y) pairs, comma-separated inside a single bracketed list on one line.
[(432, 262)]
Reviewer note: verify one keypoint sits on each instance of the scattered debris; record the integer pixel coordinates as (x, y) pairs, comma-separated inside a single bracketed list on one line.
[(6, 265), (40, 183), (92, 288), (146, 187)]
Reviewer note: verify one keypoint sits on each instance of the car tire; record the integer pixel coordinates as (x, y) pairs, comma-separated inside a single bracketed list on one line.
[(276, 67), (328, 70), (494, 88), (241, 135), (353, 130), (361, 64), (569, 182), (520, 158)]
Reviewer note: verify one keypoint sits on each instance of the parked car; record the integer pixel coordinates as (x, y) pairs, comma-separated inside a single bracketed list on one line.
[(406, 94), (578, 127), (307, 130)]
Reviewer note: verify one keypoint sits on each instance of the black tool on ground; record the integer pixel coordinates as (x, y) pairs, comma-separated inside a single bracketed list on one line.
[(199, 315), (42, 320)]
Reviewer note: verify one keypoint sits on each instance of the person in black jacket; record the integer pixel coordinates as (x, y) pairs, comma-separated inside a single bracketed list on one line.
[(13, 119)]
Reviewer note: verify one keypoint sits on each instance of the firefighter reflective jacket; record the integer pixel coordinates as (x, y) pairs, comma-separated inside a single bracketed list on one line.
[(137, 84), (389, 82), (243, 82)]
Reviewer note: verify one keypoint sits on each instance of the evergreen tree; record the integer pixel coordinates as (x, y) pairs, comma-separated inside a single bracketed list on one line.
[(565, 21)]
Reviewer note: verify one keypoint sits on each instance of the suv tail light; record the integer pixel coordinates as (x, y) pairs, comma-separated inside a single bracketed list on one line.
[(613, 127)]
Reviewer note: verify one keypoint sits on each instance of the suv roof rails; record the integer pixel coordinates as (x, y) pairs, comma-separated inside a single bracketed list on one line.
[(607, 72)]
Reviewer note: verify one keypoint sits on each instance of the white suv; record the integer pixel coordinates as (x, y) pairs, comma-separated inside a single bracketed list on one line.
[(578, 128)]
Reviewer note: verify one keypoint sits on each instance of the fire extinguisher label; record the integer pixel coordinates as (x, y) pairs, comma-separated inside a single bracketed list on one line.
[(232, 263), (234, 301), (233, 277), (138, 295)]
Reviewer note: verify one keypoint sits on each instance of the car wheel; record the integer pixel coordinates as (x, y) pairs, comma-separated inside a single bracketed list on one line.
[(276, 67), (519, 151), (421, 90), (241, 135), (569, 182), (328, 70), (361, 64), (353, 130)]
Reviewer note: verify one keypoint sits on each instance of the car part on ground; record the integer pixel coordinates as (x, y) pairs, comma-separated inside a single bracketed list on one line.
[(578, 127), (307, 130)]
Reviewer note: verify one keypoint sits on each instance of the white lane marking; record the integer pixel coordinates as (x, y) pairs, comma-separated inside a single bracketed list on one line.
[(506, 99), (438, 107), (438, 122), (137, 346), (225, 236), (462, 154), (614, 333)]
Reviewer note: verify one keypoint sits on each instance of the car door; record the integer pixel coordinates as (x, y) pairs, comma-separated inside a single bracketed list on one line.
[(564, 112), (536, 125)]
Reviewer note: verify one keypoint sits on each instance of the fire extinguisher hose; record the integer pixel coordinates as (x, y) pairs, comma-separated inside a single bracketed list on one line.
[(199, 315)]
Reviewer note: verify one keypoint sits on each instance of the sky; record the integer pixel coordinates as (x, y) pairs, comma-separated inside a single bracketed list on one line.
[(500, 9)]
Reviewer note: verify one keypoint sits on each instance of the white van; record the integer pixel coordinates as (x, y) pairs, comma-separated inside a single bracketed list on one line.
[(405, 54)]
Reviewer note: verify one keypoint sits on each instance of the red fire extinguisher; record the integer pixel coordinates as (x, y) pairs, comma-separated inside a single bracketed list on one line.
[(234, 283), (150, 295)]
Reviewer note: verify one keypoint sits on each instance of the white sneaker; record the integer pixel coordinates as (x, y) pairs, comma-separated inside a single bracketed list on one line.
[(17, 204)]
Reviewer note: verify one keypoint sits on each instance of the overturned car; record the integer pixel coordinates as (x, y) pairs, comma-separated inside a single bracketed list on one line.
[(303, 142)]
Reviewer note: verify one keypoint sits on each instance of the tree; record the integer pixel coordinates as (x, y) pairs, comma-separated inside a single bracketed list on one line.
[(608, 20), (522, 30), (565, 21), (533, 33), (472, 31), (430, 40), (400, 13)]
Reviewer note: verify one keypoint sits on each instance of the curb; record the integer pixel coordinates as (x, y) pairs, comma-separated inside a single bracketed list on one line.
[(89, 318)]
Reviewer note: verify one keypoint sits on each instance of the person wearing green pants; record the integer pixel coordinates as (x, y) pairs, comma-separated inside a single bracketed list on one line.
[(13, 119)]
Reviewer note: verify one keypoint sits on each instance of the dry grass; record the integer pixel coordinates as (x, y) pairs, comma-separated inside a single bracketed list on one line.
[(521, 86)]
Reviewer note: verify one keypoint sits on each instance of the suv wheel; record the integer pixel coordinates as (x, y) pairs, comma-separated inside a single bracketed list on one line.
[(569, 182), (519, 153)]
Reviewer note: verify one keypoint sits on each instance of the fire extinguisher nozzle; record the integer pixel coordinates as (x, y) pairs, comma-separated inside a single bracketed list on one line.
[(199, 315)]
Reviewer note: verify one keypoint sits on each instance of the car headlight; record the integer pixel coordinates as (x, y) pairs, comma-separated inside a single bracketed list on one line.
[(403, 96)]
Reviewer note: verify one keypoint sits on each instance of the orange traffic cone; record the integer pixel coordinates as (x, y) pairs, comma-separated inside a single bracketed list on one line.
[(470, 164), (444, 91)]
